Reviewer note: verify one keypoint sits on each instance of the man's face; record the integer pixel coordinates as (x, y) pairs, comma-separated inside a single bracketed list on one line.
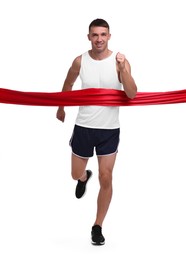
[(99, 37)]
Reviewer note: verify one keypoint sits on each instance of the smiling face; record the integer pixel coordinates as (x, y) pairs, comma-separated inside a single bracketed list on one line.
[(99, 37)]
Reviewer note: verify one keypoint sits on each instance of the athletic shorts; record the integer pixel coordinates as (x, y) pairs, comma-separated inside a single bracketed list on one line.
[(84, 140)]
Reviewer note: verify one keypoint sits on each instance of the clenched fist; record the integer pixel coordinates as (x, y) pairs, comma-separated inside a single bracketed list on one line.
[(120, 59)]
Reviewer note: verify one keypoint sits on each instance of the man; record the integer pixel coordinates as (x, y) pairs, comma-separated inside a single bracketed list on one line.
[(97, 127)]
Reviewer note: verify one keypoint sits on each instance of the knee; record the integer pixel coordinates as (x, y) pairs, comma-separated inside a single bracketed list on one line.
[(105, 179), (76, 175)]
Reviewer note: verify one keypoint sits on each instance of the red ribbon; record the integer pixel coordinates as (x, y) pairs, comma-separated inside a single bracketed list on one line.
[(92, 96)]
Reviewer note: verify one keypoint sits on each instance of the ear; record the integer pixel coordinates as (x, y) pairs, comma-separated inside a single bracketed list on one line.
[(88, 37), (109, 36)]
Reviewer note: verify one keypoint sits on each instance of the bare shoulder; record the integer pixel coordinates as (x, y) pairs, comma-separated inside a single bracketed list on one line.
[(73, 73), (76, 64)]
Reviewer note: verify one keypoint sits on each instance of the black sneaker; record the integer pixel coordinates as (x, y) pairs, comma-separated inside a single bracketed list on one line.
[(97, 236), (81, 185)]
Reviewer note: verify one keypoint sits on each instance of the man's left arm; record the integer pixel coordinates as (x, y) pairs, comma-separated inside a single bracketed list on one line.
[(125, 77)]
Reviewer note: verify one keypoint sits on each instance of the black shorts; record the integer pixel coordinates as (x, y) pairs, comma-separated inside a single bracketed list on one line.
[(84, 140)]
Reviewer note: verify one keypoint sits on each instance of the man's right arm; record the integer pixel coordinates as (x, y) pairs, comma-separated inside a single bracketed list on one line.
[(71, 77)]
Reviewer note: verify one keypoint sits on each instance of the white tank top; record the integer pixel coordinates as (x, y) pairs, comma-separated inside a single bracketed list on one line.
[(99, 74)]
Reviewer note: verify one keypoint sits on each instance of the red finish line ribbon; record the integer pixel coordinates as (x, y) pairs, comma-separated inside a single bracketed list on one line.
[(91, 96)]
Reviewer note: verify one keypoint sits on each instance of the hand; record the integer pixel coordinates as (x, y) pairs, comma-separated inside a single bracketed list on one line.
[(120, 59), (60, 115)]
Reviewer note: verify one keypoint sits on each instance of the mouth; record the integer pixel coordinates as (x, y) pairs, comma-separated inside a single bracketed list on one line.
[(99, 45)]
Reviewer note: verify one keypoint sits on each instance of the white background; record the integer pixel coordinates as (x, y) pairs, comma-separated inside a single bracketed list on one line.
[(40, 218)]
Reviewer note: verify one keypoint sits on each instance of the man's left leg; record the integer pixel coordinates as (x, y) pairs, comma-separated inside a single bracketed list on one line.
[(106, 165)]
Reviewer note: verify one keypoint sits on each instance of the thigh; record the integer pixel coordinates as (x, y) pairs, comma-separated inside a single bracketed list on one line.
[(107, 141), (78, 166), (81, 142)]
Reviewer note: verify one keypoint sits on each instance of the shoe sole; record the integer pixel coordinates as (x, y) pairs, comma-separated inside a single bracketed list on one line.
[(97, 243), (86, 185)]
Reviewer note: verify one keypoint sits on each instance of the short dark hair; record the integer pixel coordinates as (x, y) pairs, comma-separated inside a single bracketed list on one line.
[(100, 23)]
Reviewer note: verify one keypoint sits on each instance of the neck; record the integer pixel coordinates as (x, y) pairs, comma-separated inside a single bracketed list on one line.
[(99, 55)]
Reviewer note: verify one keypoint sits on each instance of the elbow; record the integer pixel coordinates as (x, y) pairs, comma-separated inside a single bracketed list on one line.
[(132, 93)]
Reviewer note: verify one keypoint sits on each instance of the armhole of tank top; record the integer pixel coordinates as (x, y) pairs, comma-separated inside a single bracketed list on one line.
[(81, 64)]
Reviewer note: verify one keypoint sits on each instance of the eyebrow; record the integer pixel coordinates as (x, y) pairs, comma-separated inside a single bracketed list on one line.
[(103, 33)]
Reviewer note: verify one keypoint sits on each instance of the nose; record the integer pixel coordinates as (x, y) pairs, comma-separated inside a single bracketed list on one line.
[(99, 39)]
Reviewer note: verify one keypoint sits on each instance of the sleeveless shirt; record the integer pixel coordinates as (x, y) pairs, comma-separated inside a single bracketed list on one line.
[(99, 74)]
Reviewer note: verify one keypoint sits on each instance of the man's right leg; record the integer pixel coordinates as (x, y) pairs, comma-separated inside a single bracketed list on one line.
[(78, 166), (80, 174)]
